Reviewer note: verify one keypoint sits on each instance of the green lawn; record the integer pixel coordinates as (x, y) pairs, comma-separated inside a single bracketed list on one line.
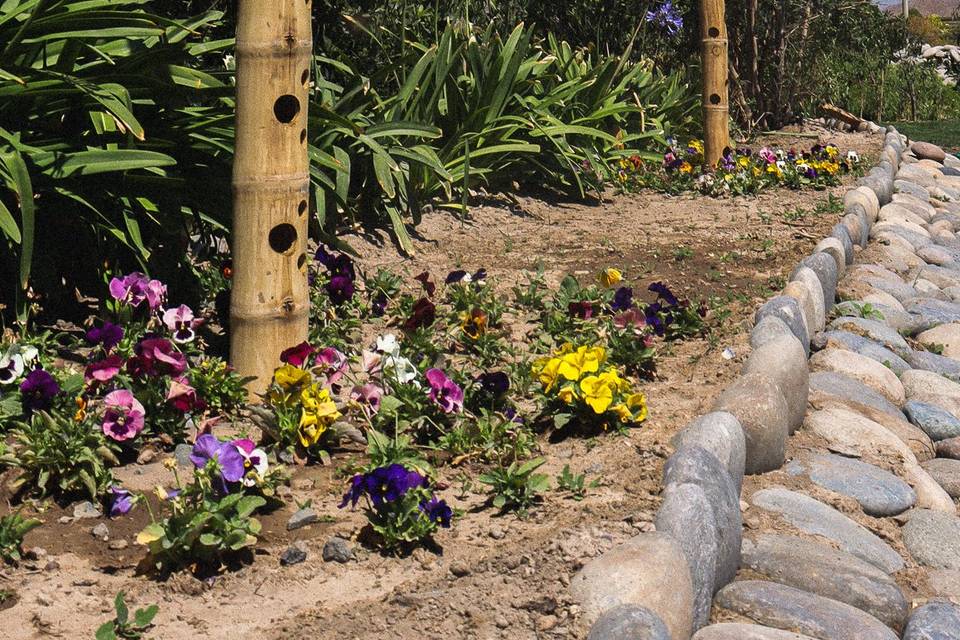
[(945, 133)]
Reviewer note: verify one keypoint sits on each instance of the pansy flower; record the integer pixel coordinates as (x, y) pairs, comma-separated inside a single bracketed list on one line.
[(446, 393), (14, 361), (183, 397), (622, 299), (495, 383), (122, 501), (225, 457), (663, 292), (107, 336), (609, 277), (135, 288), (473, 324), (368, 398), (333, 364), (38, 390), (582, 310), (156, 357), (437, 511), (254, 462), (428, 285), (181, 323), (422, 315), (103, 370), (382, 485), (124, 415), (297, 355)]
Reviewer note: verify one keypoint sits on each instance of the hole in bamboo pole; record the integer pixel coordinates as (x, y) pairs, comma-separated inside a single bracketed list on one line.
[(303, 136), (714, 98), (302, 209), (305, 77), (714, 32), (282, 238), (286, 108), (302, 262)]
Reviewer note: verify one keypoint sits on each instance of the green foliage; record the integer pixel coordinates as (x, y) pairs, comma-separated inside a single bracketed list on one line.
[(122, 626), (13, 527), (384, 451), (60, 456), (574, 484), (516, 487), (403, 521), (945, 133), (219, 385), (492, 437)]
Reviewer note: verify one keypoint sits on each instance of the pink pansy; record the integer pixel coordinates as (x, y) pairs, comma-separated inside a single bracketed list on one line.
[(333, 363), (370, 361), (156, 357), (768, 156), (103, 370), (182, 396), (368, 397), (123, 418), (181, 323), (254, 461), (135, 288)]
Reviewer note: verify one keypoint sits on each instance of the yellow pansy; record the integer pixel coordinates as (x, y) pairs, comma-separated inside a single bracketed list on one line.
[(686, 167), (289, 376), (609, 277), (596, 393), (774, 169), (696, 145), (583, 360), (743, 161), (567, 394), (622, 412), (546, 371), (611, 378), (319, 411), (81, 413), (638, 402)]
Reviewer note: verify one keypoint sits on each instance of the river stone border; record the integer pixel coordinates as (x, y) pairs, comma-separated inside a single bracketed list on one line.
[(742, 435)]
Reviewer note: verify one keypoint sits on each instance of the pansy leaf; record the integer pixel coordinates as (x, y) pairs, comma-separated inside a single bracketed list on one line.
[(144, 617), (121, 606), (249, 504), (106, 632)]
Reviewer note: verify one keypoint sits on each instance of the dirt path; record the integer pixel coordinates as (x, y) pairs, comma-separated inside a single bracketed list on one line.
[(494, 577)]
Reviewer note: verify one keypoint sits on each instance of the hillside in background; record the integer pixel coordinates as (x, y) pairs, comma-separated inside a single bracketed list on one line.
[(944, 8)]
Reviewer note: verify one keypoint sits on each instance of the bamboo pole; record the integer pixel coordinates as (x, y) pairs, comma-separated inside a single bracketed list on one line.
[(716, 110), (269, 306)]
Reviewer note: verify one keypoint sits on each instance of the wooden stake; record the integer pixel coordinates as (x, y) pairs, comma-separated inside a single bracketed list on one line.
[(269, 306), (716, 110)]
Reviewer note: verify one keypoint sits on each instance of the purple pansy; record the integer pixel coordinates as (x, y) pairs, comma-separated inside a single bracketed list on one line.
[(122, 501), (333, 363), (226, 455), (38, 390), (622, 299), (428, 285), (108, 336), (494, 382), (437, 511), (582, 310), (135, 288), (422, 315), (663, 292), (156, 357), (124, 415), (382, 485), (181, 323), (103, 370), (446, 393)]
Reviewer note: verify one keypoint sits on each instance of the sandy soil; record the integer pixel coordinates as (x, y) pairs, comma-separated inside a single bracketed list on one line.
[(491, 577)]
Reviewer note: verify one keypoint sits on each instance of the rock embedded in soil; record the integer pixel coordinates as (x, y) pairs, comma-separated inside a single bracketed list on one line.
[(876, 331), (879, 492), (791, 609), (936, 422), (947, 474), (302, 518), (686, 515), (634, 573), (719, 433), (626, 622), (934, 312), (819, 569), (763, 413), (292, 555), (788, 310), (866, 370), (100, 531), (931, 389), (118, 545), (928, 151), (863, 346), (802, 294), (945, 582), (338, 550), (181, 454), (784, 362), (933, 538), (816, 518), (693, 465), (827, 384), (767, 329), (741, 631), (809, 279), (841, 235), (834, 248), (946, 336), (934, 621), (826, 270), (949, 448), (929, 361), (86, 510)]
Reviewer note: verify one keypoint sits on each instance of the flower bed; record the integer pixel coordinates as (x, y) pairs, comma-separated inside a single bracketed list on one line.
[(430, 377), (739, 171)]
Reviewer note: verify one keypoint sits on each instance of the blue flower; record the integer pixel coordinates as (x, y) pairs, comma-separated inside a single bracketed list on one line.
[(437, 511), (663, 293), (622, 299), (667, 18)]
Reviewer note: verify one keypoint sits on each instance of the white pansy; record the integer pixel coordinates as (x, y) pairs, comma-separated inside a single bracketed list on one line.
[(388, 344), (15, 360)]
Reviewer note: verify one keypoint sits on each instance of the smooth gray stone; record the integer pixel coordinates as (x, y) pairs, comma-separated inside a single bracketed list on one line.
[(629, 622), (784, 607), (741, 631), (721, 434), (950, 171), (933, 538), (850, 390), (863, 346), (302, 518), (826, 270), (929, 361), (947, 474), (879, 492), (840, 233), (949, 448), (762, 411), (876, 331), (947, 241), (928, 151), (914, 189), (784, 362), (857, 223), (767, 329), (937, 423), (816, 518), (934, 621), (900, 321), (933, 312), (788, 310), (693, 465), (899, 290), (819, 569), (686, 516), (943, 277), (883, 187), (916, 240)]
